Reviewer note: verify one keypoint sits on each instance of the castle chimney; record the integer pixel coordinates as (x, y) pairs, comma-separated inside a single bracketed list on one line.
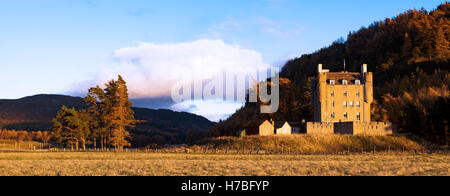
[(364, 69), (319, 68)]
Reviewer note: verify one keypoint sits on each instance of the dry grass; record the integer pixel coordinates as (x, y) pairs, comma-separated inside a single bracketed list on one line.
[(311, 144), (157, 164)]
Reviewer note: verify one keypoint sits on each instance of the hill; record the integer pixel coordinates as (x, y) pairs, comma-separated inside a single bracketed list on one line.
[(160, 126), (409, 56), (34, 112)]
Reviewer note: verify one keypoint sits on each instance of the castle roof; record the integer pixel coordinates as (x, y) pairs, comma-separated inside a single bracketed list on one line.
[(339, 76)]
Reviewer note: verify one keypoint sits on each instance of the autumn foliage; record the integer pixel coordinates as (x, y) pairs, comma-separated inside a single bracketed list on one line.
[(106, 120), (409, 56), (21, 136)]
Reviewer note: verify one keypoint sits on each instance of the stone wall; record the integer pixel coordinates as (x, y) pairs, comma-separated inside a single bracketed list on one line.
[(351, 128), (374, 128)]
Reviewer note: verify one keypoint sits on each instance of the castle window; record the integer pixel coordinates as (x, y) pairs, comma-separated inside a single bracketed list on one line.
[(332, 104), (357, 94), (332, 115), (357, 82), (345, 94), (332, 94), (344, 82), (358, 116), (358, 104), (351, 103), (345, 104), (346, 116), (332, 83)]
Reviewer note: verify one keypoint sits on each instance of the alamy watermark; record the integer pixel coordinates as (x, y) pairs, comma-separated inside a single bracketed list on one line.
[(230, 85)]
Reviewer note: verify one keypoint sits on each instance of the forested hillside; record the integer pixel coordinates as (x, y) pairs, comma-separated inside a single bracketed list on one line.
[(409, 56), (35, 113)]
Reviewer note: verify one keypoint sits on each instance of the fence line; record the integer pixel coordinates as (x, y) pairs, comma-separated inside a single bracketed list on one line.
[(210, 149), (244, 151)]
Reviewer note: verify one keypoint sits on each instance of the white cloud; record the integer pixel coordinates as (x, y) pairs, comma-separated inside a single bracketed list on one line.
[(211, 110), (152, 69)]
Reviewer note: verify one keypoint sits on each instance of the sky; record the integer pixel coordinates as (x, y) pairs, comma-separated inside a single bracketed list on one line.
[(66, 46)]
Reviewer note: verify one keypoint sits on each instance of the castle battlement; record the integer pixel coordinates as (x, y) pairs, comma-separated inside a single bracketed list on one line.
[(351, 128), (374, 128), (320, 128)]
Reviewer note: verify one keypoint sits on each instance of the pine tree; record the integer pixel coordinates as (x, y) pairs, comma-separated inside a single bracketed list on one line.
[(306, 100), (407, 47), (441, 43), (84, 127), (94, 101), (71, 127), (110, 114), (122, 116)]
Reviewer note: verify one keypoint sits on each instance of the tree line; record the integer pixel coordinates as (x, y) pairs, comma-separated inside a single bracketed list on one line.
[(419, 103), (103, 124), (21, 136), (393, 44)]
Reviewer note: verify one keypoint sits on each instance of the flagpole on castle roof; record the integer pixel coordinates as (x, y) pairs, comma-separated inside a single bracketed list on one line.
[(344, 64)]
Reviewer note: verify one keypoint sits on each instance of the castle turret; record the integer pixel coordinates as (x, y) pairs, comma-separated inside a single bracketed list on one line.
[(368, 84), (322, 92), (320, 70), (368, 93), (364, 69)]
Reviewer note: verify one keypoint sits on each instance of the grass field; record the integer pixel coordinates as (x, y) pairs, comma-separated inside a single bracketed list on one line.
[(309, 144), (179, 164)]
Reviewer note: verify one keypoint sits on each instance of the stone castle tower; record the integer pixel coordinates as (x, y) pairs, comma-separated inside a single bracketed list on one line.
[(342, 96)]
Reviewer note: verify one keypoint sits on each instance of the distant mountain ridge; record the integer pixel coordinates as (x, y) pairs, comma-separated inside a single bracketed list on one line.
[(37, 108), (162, 126)]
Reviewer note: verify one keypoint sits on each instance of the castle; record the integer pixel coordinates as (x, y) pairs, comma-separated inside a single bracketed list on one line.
[(341, 103)]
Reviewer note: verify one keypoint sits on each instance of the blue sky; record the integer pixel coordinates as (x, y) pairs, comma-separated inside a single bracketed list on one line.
[(62, 46)]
